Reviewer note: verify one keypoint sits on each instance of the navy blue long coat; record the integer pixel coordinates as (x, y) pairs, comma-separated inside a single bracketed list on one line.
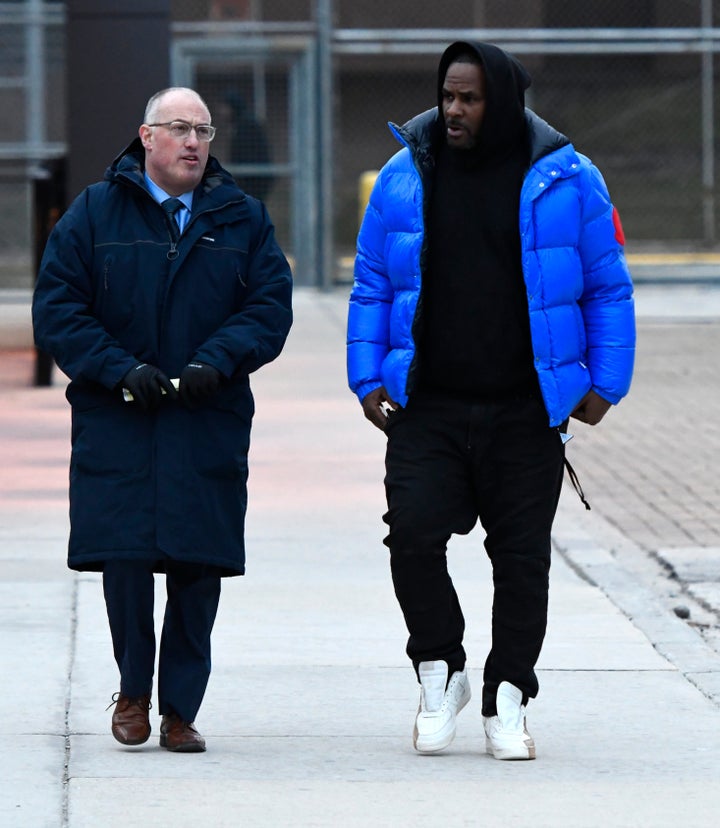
[(112, 291)]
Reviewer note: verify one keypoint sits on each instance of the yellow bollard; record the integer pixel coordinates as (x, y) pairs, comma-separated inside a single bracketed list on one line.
[(365, 185)]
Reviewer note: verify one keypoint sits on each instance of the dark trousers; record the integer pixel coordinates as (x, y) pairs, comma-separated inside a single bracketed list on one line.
[(449, 463), (193, 594)]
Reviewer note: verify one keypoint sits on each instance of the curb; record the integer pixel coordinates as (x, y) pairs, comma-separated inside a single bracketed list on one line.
[(596, 550)]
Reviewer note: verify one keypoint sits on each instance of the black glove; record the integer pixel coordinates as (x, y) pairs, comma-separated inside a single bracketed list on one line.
[(148, 384), (197, 382)]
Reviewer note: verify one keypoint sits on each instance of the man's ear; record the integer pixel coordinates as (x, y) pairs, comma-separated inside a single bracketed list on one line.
[(145, 133)]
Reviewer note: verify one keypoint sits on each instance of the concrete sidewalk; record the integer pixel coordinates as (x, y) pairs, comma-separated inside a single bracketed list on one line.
[(309, 711)]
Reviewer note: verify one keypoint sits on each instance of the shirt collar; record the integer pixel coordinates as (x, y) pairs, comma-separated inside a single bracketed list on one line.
[(160, 195)]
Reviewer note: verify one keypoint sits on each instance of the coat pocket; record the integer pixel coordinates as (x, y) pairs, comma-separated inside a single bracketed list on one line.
[(220, 444), (110, 441)]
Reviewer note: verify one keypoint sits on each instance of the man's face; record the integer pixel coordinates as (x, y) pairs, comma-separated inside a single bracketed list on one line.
[(176, 164), (463, 104)]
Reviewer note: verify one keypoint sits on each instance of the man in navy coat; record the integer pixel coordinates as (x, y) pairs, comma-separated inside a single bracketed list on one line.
[(161, 289)]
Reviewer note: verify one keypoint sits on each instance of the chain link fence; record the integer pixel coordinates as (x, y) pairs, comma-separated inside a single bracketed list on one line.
[(631, 84), (636, 102), (32, 60), (639, 118)]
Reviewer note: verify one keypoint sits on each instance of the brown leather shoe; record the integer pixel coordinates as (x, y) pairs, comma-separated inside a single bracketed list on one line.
[(180, 736), (131, 719)]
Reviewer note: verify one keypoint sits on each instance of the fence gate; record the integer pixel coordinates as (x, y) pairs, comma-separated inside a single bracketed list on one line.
[(261, 91)]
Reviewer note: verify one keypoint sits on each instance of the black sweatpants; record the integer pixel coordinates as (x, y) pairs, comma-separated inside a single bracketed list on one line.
[(448, 463)]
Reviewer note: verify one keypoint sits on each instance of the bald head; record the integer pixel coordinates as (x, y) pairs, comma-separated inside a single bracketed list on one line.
[(175, 159), (158, 99)]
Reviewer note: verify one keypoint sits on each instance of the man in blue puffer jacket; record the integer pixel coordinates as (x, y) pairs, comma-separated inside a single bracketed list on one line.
[(491, 302)]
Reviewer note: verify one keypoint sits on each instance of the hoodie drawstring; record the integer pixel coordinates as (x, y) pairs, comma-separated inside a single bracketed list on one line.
[(576, 483)]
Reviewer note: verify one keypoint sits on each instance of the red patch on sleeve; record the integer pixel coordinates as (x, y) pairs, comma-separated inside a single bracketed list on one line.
[(619, 232)]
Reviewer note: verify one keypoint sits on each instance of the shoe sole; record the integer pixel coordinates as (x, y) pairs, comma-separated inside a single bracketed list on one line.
[(511, 753), (130, 742), (188, 748)]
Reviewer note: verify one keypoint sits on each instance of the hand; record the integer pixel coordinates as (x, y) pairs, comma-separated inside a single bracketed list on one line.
[(591, 408), (148, 385), (197, 382), (374, 405)]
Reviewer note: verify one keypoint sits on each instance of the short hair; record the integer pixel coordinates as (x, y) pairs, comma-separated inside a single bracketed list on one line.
[(155, 100)]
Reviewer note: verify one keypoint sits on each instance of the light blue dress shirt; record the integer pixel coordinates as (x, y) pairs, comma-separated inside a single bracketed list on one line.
[(182, 216)]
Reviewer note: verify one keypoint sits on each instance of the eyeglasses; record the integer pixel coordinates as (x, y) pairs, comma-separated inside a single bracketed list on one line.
[(181, 130)]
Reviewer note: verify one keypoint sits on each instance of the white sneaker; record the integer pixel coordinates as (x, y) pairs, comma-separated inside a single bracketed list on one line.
[(506, 735), (439, 705)]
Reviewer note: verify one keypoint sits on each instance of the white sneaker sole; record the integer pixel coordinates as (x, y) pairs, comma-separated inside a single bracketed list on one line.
[(511, 752)]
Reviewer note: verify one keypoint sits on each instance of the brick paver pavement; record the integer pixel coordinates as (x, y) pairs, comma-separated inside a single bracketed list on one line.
[(651, 467)]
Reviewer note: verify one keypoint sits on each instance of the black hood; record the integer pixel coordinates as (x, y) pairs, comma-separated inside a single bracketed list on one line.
[(506, 80)]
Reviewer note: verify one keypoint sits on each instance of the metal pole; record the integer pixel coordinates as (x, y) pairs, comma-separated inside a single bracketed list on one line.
[(325, 160), (258, 72), (35, 121), (708, 129)]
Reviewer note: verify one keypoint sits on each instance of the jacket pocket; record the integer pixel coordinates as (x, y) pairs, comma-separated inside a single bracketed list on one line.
[(110, 442), (220, 444)]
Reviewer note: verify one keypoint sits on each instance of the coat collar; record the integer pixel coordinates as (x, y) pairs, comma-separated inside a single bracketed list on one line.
[(217, 188), (421, 134)]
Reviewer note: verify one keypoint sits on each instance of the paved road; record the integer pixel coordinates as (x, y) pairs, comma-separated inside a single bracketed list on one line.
[(310, 706)]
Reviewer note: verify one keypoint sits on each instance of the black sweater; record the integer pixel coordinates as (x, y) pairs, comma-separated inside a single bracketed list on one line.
[(475, 334)]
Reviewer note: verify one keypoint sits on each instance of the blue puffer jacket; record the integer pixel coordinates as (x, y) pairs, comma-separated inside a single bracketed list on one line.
[(579, 290)]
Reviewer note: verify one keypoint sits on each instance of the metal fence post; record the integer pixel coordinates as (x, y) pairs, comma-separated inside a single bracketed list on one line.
[(325, 142), (708, 128), (49, 203)]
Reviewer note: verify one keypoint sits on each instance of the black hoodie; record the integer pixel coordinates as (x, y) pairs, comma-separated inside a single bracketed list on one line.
[(475, 334)]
